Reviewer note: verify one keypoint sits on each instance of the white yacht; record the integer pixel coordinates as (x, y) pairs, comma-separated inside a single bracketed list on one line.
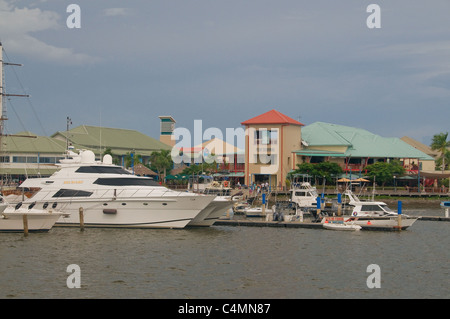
[(217, 208), (112, 197), (304, 195), (373, 214)]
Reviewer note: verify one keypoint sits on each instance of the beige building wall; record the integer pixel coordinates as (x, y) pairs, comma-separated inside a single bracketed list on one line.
[(274, 159)]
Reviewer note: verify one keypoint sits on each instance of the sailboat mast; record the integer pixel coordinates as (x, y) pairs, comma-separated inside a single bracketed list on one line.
[(1, 92)]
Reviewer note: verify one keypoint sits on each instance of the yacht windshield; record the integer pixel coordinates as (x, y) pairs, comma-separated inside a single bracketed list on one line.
[(371, 208), (126, 181), (102, 170), (71, 193)]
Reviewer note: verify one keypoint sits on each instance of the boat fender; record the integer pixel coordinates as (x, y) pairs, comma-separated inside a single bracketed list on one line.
[(109, 211), (18, 205)]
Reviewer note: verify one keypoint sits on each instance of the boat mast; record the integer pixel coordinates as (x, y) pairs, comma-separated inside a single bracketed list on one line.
[(3, 116)]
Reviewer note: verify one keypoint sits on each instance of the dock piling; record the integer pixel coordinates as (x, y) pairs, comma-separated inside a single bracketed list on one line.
[(399, 212), (81, 218), (25, 224)]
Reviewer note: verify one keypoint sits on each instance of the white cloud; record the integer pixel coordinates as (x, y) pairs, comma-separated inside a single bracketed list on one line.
[(18, 26)]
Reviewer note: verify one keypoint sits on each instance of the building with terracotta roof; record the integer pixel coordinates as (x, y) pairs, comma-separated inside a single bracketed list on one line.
[(276, 143), (269, 141)]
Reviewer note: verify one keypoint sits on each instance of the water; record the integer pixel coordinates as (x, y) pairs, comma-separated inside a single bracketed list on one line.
[(228, 262)]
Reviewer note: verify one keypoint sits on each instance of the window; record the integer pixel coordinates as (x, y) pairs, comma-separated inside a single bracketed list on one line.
[(19, 159), (126, 181), (47, 160), (371, 208), (72, 193), (266, 137), (102, 170)]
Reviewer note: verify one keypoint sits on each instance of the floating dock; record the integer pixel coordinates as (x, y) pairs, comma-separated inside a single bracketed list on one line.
[(260, 223), (263, 223)]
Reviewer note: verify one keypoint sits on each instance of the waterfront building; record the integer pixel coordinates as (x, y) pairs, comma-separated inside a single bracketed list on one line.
[(167, 126), (270, 139), (26, 154), (355, 148), (276, 143), (120, 142)]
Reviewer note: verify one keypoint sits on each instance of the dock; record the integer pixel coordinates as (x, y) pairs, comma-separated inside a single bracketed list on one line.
[(263, 223), (260, 223)]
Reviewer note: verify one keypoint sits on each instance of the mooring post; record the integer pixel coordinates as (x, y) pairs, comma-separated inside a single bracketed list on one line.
[(81, 219), (399, 212), (318, 205), (25, 225), (339, 200)]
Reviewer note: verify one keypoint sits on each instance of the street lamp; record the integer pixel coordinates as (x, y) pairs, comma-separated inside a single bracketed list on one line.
[(395, 185)]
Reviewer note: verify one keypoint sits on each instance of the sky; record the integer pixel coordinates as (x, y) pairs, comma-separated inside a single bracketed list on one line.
[(226, 61)]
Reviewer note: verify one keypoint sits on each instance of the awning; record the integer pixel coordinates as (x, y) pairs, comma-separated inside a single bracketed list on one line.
[(319, 153), (434, 174)]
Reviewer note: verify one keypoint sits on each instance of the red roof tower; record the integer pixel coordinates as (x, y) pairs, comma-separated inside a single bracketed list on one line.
[(271, 117)]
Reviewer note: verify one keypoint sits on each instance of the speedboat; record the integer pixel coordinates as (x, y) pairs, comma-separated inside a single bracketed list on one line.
[(257, 211), (38, 220), (111, 196), (338, 223), (376, 215), (304, 195)]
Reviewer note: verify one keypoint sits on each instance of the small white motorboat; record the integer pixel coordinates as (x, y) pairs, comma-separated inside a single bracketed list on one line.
[(257, 212), (338, 223)]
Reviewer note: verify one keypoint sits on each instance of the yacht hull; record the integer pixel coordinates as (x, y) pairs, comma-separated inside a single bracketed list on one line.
[(211, 213), (383, 223), (38, 221), (170, 212)]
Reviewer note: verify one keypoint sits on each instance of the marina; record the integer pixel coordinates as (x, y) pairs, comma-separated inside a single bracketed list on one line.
[(228, 262), (151, 236)]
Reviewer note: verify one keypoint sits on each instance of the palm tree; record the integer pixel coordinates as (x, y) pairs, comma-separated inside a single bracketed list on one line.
[(440, 143), (162, 161)]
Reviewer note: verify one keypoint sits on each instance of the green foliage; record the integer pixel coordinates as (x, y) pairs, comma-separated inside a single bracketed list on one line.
[(198, 169), (161, 161), (384, 172), (323, 169), (136, 159), (439, 143)]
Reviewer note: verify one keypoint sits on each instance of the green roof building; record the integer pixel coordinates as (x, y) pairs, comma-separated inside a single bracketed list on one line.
[(26, 154), (120, 141), (355, 148)]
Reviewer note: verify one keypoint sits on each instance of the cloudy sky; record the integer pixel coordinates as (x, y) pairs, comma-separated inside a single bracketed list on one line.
[(225, 61)]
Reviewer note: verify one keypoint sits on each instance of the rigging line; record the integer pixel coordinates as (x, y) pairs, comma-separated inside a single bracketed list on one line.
[(18, 118), (28, 99)]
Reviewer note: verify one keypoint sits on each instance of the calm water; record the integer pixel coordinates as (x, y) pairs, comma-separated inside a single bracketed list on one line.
[(228, 262)]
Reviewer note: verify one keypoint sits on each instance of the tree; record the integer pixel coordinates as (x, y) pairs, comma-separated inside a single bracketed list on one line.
[(439, 143), (384, 172), (323, 170), (161, 161), (136, 159)]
